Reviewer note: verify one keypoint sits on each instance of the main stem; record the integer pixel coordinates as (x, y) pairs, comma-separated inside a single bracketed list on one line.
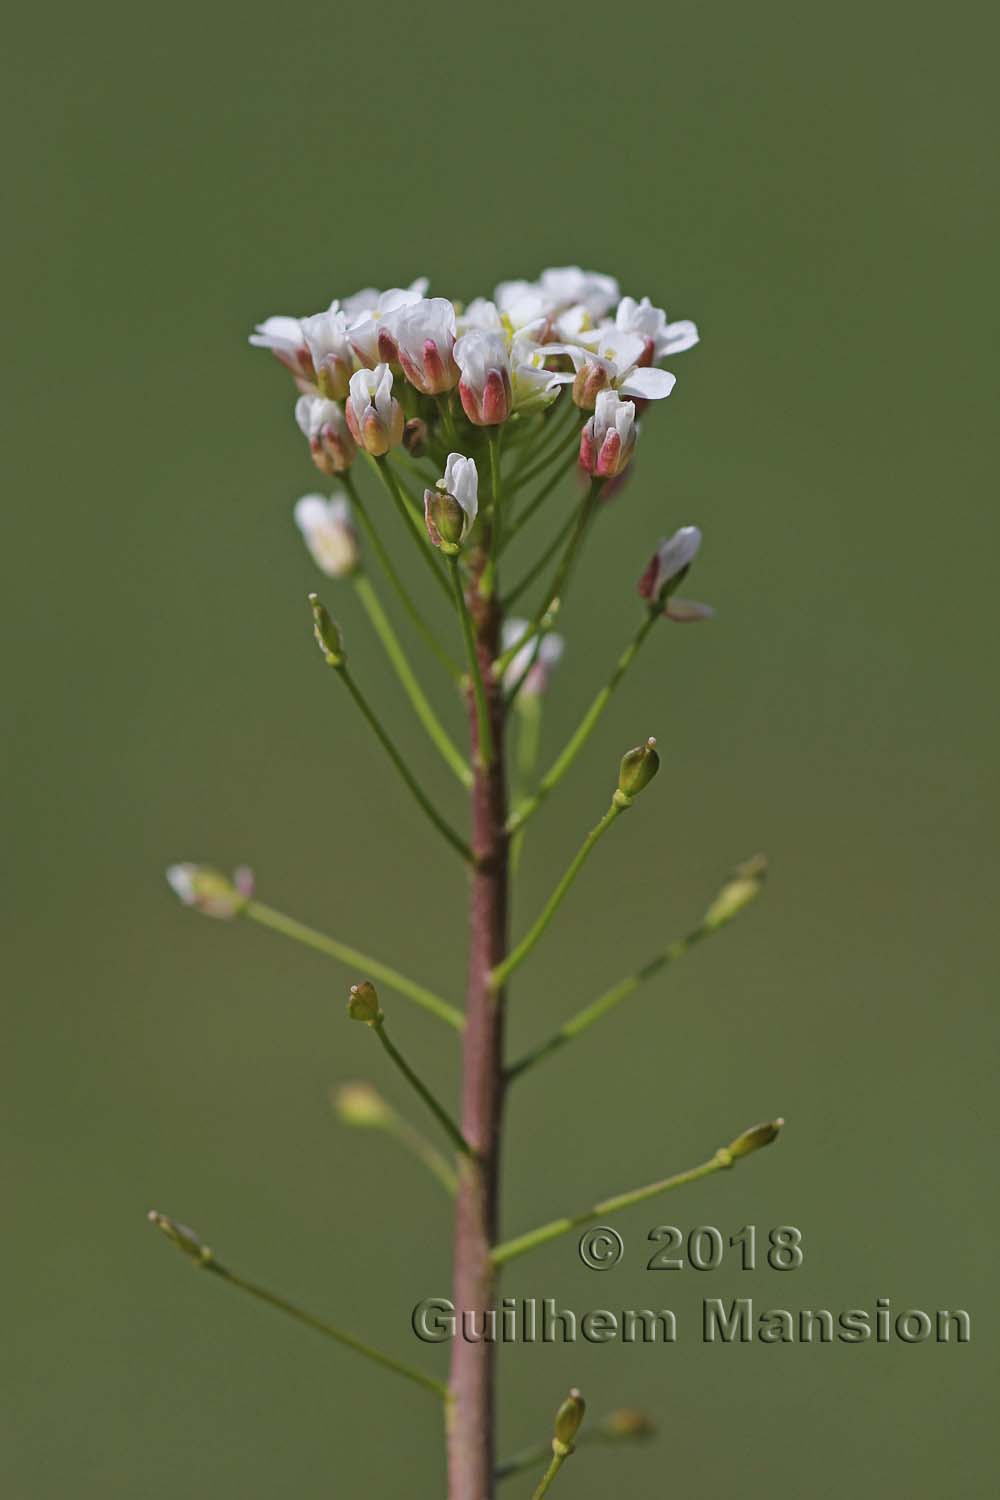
[(471, 1430)]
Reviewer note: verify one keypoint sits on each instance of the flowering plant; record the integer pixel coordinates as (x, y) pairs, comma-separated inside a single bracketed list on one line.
[(469, 417)]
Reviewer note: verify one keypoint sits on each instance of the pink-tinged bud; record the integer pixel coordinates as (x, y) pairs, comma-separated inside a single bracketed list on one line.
[(211, 892), (669, 564), (388, 349), (485, 387), (591, 378), (425, 334), (608, 439), (330, 442), (286, 340), (329, 347), (374, 416)]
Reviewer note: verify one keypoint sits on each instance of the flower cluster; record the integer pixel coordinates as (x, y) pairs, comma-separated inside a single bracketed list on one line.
[(376, 361)]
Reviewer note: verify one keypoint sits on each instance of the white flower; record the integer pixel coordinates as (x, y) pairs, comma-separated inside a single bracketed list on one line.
[(369, 316), (369, 300), (564, 287), (501, 374), (330, 442), (374, 415), (536, 658), (481, 313), (425, 337), (608, 439), (485, 384), (285, 339), (521, 303), (330, 348), (650, 323), (329, 533), (450, 509), (614, 362), (667, 567), (209, 891)]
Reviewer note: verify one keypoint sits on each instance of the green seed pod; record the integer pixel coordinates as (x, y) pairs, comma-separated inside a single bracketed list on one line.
[(362, 1105), (742, 887), (447, 517), (363, 1004), (568, 1419), (755, 1138), (180, 1235), (327, 634), (638, 768)]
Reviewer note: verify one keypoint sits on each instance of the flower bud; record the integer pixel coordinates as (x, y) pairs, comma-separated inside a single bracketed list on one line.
[(363, 1004), (608, 438), (425, 337), (415, 436), (362, 1105), (451, 508), (330, 442), (286, 341), (591, 379), (184, 1238), (329, 533), (327, 633), (485, 386), (626, 1423), (637, 769), (742, 887), (374, 415), (211, 892), (567, 1424), (669, 564), (326, 338), (754, 1139)]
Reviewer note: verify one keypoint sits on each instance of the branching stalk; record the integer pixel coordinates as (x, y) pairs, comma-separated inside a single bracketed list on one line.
[(432, 724), (503, 971), (568, 755), (266, 916)]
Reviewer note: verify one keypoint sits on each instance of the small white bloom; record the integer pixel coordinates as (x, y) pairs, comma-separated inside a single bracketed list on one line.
[(425, 337), (329, 533), (482, 314), (330, 348), (614, 362), (286, 341), (374, 415), (608, 439), (521, 303), (536, 658), (672, 558), (564, 287), (330, 441), (450, 509), (209, 891), (369, 316), (650, 323)]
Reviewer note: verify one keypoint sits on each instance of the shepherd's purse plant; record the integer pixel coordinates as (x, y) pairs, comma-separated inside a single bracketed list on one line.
[(470, 418)]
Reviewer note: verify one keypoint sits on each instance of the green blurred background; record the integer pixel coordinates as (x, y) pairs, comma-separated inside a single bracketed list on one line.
[(811, 186)]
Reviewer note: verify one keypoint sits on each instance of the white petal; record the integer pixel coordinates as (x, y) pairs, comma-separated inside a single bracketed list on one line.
[(677, 337), (648, 384)]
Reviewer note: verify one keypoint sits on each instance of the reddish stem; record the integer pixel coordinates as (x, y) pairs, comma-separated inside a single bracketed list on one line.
[(471, 1434)]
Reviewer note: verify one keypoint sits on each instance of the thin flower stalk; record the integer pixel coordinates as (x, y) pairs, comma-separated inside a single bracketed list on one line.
[(436, 731), (353, 958), (511, 1249), (411, 516), (385, 562), (406, 775), (417, 1084), (515, 958), (586, 727), (207, 1261)]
